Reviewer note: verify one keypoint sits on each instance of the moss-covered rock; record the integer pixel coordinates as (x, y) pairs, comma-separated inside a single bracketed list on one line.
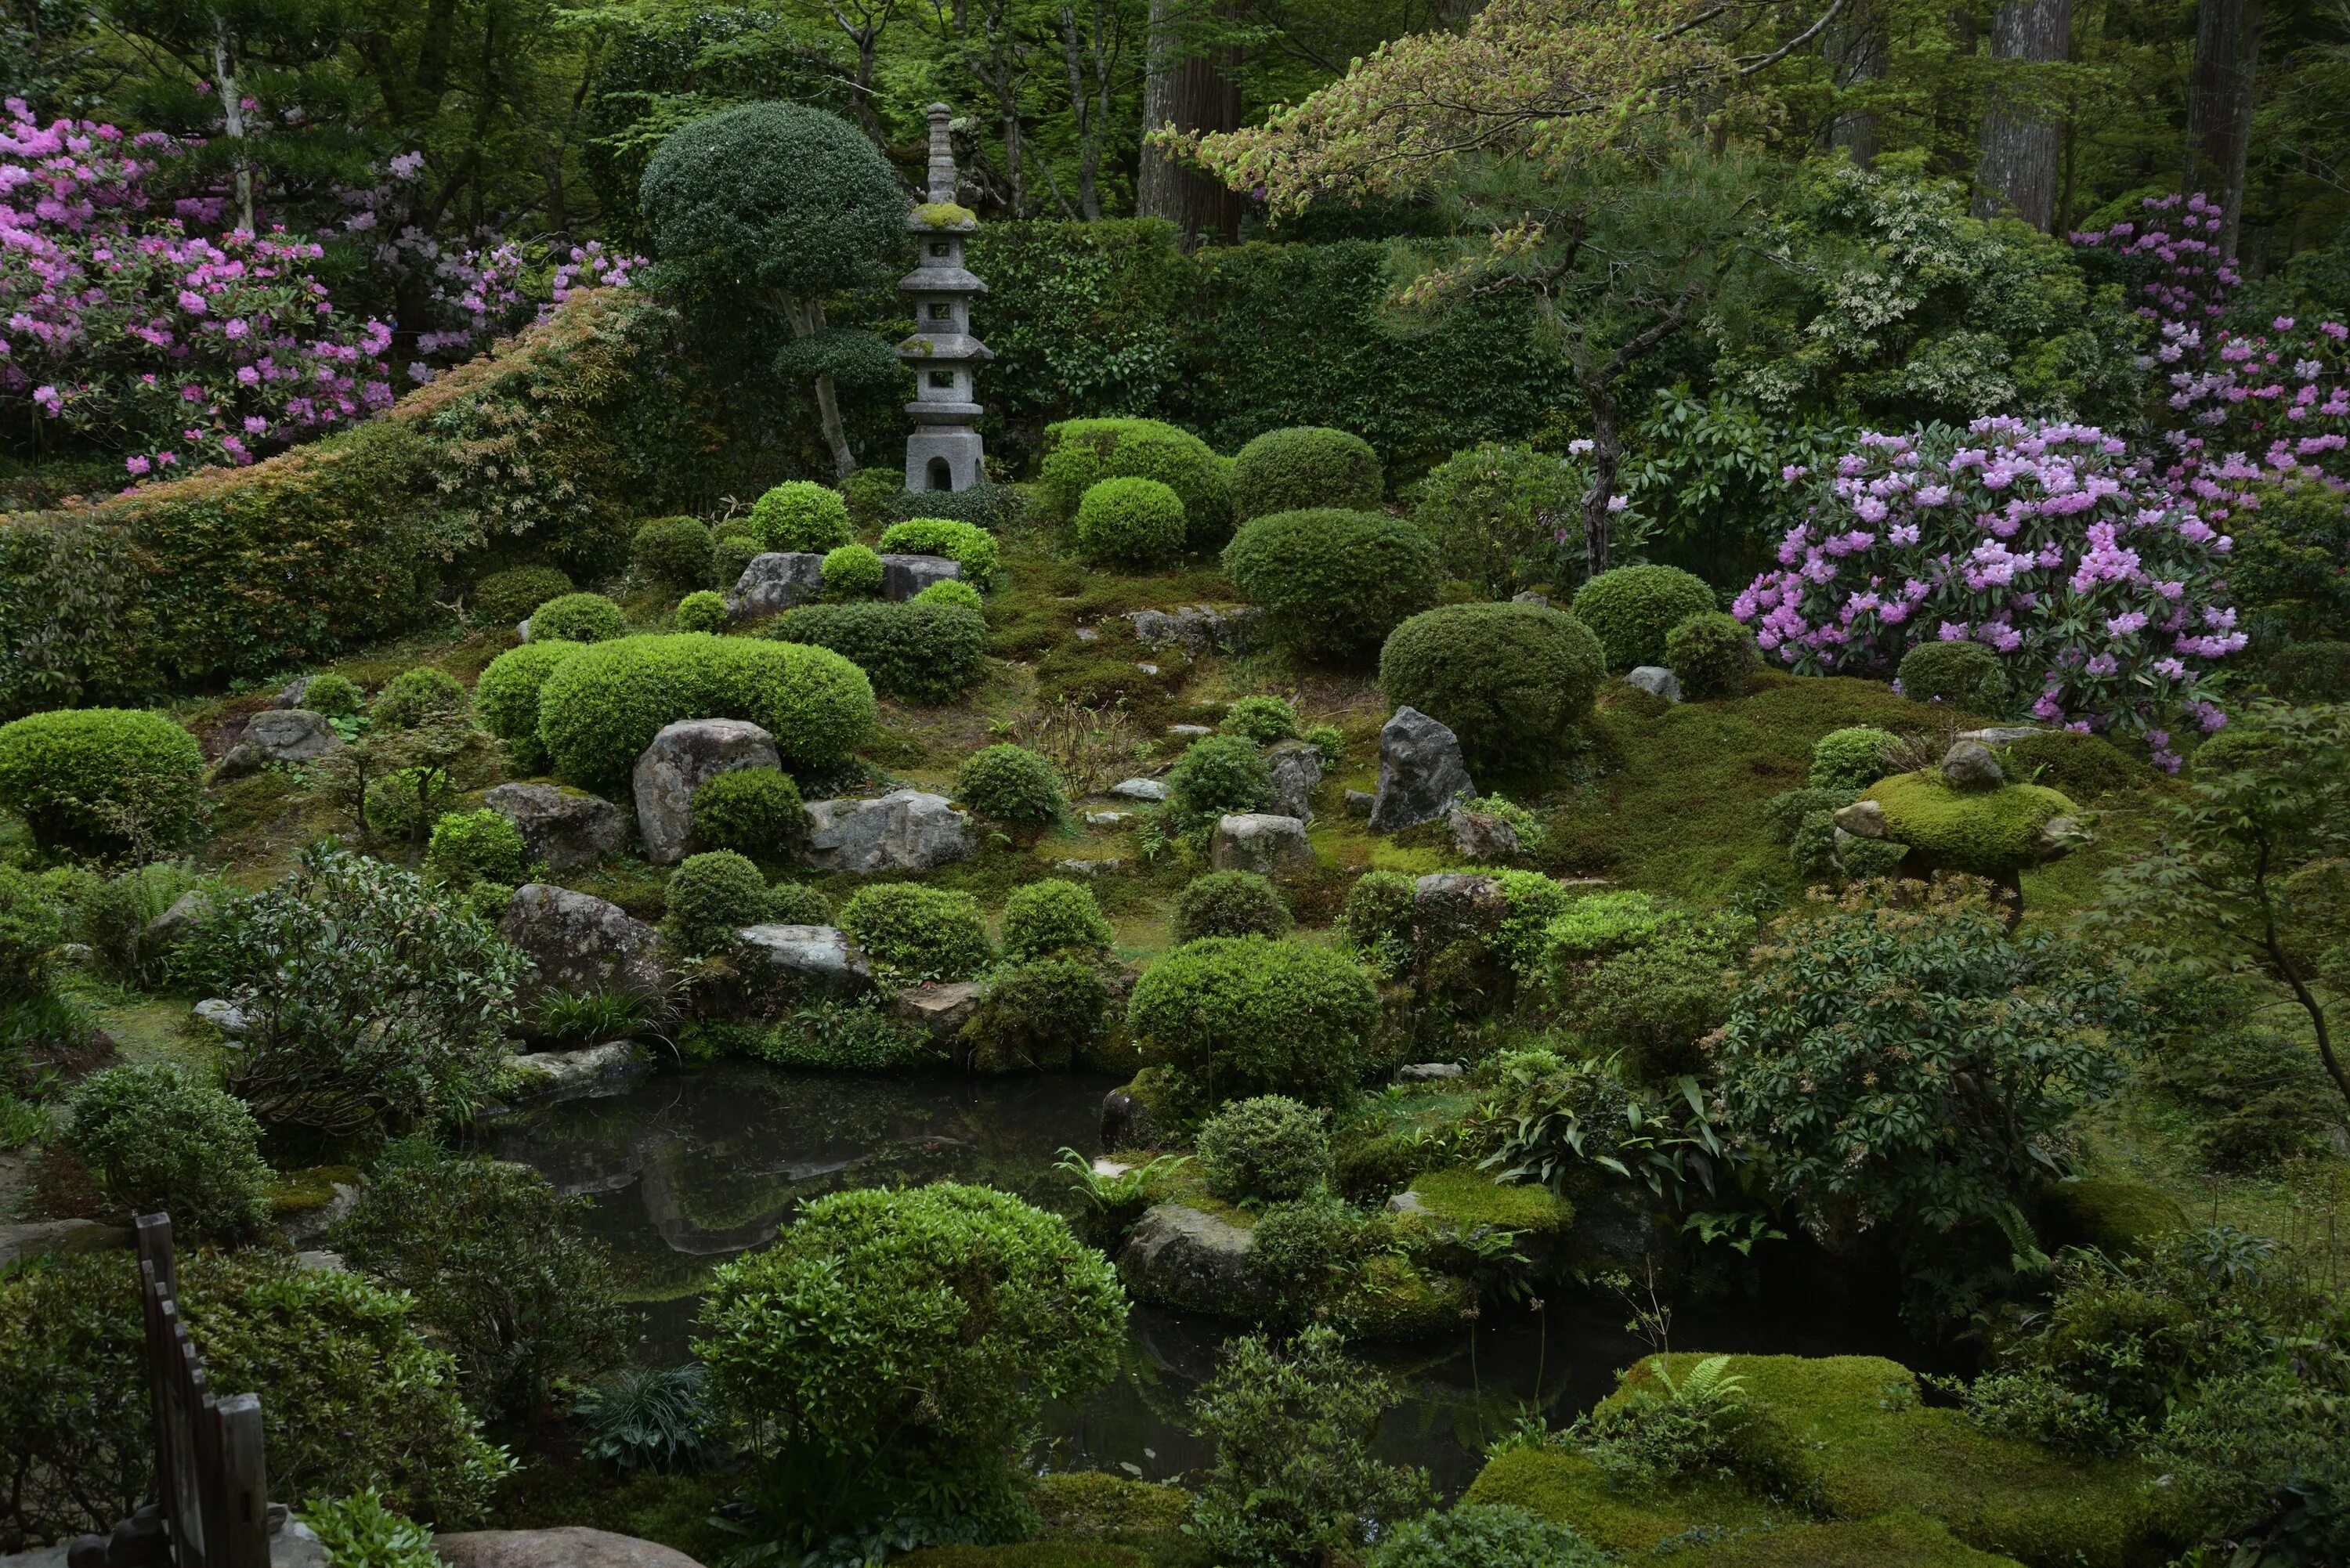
[(1391, 1298), (2117, 1217), (1097, 1503), (1995, 833), (1568, 1489), (1469, 1199), (1888, 1540)]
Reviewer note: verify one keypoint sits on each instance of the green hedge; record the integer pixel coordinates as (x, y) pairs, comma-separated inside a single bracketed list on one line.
[(916, 652)]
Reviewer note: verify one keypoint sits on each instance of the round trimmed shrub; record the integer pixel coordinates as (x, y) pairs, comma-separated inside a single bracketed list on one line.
[(968, 545), (157, 1140), (418, 696), (1043, 1012), (800, 516), (578, 618), (868, 492), (1081, 453), (1009, 784), (1963, 674), (1055, 916), (673, 550), (1332, 583), (1486, 1535), (914, 651), (1631, 609), (797, 904), (952, 592), (471, 846), (1852, 758), (709, 897), (730, 557), (1713, 655), (1304, 466), (922, 933), (1219, 773), (502, 598), (601, 707), (1269, 1150), (996, 508), (1230, 904), (1130, 522), (506, 698), (1233, 1016), (851, 572), (334, 696), (752, 811), (1512, 680), (702, 610), (1267, 720), (101, 778)]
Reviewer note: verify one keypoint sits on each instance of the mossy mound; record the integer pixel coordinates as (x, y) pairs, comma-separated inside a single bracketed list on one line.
[(2117, 1217), (1391, 1298), (1467, 1200), (1992, 834), (1097, 1503), (1888, 1540), (1568, 1489)]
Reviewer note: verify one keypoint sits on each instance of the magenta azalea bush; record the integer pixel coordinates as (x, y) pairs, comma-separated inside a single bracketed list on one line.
[(2095, 582)]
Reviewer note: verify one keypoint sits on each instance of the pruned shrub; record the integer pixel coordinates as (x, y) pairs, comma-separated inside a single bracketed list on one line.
[(949, 591), (1495, 514), (1713, 655), (755, 812), (1052, 916), (701, 610), (1219, 773), (155, 1138), (1963, 674), (417, 697), (1333, 583), (1011, 785), (672, 550), (1081, 453), (971, 547), (1039, 1014), (709, 897), (1233, 1016), (919, 932), (1269, 1150), (505, 699), (797, 904), (1852, 758), (800, 516), (729, 558), (469, 847), (851, 572), (502, 598), (1130, 523), (1267, 720), (1512, 680), (101, 779), (1376, 921), (917, 651), (1654, 1002), (578, 618), (1631, 609), (868, 493), (334, 696), (1301, 467), (997, 508), (1230, 904)]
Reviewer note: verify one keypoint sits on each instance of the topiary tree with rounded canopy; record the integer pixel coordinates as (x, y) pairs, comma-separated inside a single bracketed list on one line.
[(772, 207), (1512, 680)]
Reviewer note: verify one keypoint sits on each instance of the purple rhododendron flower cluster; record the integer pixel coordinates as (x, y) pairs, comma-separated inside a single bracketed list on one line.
[(2095, 581)]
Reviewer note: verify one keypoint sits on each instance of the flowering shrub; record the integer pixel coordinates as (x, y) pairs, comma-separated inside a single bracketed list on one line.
[(2096, 584)]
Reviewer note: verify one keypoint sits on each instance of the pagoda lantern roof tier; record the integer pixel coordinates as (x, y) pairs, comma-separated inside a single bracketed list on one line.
[(942, 218), (941, 280), (945, 348), (944, 413)]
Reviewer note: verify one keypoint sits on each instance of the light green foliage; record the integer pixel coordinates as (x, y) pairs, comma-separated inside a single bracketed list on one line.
[(868, 493), (374, 1003), (973, 548), (1713, 654), (798, 904), (755, 812), (709, 897), (1294, 1476), (1995, 834), (1495, 512), (1376, 922), (578, 618), (1011, 785), (1601, 924), (1631, 609), (359, 1532), (851, 572), (1654, 1002), (1129, 522), (417, 697), (1041, 1012), (1302, 466), (498, 1265), (333, 695), (503, 598), (1464, 1199), (470, 846), (920, 933), (599, 708), (1241, 1015), (1266, 720), (1333, 583), (918, 651), (1486, 1535), (704, 610), (1269, 1150), (1229, 904), (506, 698), (1080, 454), (1218, 774), (1052, 916), (1851, 759), (672, 550), (799, 515), (952, 591), (1963, 674), (156, 1139), (110, 917), (1578, 1127), (1510, 681), (101, 779)]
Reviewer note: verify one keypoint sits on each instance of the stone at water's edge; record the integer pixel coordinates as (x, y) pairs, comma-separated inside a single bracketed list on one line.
[(1296, 769), (905, 830), (1189, 1259), (1657, 682), (1420, 772), (940, 1009), (582, 943), (903, 576), (551, 1073), (792, 960), (1259, 842), (563, 827), (1127, 1123), (279, 736), (681, 758), (776, 581), (570, 1546)]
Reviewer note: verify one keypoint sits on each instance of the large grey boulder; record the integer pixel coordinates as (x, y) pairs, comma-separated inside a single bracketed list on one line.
[(795, 961), (1139, 789), (776, 581), (1199, 629), (939, 1008), (1296, 769), (681, 758), (567, 1074), (191, 911), (294, 693), (1656, 680), (1127, 1122), (1261, 842), (564, 827), (903, 576), (292, 735), (1420, 772), (1969, 767), (582, 943), (568, 1546), (48, 1237), (1481, 836), (1194, 1261), (905, 830)]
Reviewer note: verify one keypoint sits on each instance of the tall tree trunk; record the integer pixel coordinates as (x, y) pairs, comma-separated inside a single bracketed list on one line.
[(1191, 88), (1857, 49), (232, 107), (2220, 105), (2017, 167), (806, 316)]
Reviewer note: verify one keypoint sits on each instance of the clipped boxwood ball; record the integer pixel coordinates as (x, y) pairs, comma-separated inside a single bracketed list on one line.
[(333, 695), (1963, 674), (920, 933), (503, 598), (1130, 522), (416, 696), (1080, 454), (1268, 721), (917, 650), (601, 707), (1269, 1150), (949, 591), (730, 557), (752, 811), (506, 698), (711, 895), (81, 777), (1055, 916), (155, 1137), (701, 610), (1631, 609), (1230, 904), (469, 847), (800, 516), (1333, 583), (851, 572), (578, 618), (1220, 773), (1712, 654), (1512, 680), (673, 550), (968, 545), (1851, 758), (1009, 784), (1250, 1015), (1304, 466)]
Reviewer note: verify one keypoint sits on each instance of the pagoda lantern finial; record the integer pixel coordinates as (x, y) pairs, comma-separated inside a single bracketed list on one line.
[(944, 452)]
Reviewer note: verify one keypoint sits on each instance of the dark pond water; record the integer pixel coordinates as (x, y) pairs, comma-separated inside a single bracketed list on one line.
[(690, 1168)]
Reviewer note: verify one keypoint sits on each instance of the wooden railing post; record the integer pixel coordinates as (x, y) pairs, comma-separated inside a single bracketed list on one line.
[(211, 1473)]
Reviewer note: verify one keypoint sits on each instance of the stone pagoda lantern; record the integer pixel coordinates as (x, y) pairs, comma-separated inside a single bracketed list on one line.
[(944, 451)]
